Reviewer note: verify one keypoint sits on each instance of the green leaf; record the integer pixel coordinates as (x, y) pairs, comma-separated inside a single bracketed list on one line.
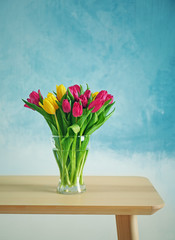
[(60, 123), (81, 90), (82, 119), (92, 129), (101, 120), (70, 94), (40, 110), (52, 128), (63, 120), (103, 107), (90, 100), (63, 97), (94, 119), (85, 124), (109, 115), (68, 98), (58, 103), (107, 109), (75, 128), (73, 119), (87, 86), (66, 143), (40, 98)]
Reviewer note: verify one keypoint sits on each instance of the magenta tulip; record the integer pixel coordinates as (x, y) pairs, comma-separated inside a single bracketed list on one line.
[(34, 98), (87, 93), (83, 100), (102, 95), (109, 96), (75, 90), (66, 106), (77, 110), (96, 104)]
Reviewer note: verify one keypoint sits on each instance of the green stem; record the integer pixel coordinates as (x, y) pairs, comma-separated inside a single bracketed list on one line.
[(73, 158), (67, 176), (82, 167), (64, 175), (58, 127), (78, 168), (81, 179), (55, 152)]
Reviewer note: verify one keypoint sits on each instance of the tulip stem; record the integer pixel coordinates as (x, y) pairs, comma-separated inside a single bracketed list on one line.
[(59, 133), (62, 175)]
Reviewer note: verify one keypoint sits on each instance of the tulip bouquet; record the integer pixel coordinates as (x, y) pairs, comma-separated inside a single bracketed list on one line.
[(72, 115)]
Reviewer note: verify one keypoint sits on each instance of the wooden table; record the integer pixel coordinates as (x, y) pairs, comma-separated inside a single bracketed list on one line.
[(124, 197)]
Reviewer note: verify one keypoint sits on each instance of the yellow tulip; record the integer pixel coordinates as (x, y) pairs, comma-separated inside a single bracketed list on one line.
[(61, 90), (94, 95), (52, 99), (49, 104)]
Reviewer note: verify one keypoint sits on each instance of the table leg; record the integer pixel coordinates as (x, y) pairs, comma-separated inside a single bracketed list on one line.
[(127, 227)]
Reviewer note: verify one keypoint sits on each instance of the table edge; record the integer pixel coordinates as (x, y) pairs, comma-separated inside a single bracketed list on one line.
[(93, 210), (63, 209)]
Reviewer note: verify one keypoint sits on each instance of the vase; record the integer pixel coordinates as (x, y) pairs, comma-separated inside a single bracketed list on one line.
[(71, 154)]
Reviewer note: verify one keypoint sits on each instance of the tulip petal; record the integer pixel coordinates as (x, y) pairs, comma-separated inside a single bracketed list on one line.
[(66, 106), (61, 90), (77, 110)]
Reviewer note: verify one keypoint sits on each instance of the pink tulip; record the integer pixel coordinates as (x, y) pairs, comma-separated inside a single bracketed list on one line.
[(87, 93), (100, 99), (75, 90), (77, 110), (83, 100), (77, 87), (102, 95), (34, 98), (97, 104), (109, 96), (66, 106)]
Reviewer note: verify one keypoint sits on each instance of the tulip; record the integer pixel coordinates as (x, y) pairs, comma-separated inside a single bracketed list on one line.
[(61, 90), (109, 96), (49, 104), (96, 104), (66, 106), (77, 87), (87, 93), (75, 90), (94, 95), (34, 98), (83, 100), (52, 100), (77, 110), (102, 95)]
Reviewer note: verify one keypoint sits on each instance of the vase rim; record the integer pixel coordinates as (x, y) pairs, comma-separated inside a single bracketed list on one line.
[(76, 150), (54, 136)]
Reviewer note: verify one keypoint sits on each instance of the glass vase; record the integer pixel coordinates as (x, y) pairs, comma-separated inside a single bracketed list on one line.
[(71, 154)]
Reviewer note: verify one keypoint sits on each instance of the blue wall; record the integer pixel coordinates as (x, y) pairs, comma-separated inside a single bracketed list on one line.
[(124, 46)]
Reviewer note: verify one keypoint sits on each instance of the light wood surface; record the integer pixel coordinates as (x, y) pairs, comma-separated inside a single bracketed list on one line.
[(127, 227), (104, 195)]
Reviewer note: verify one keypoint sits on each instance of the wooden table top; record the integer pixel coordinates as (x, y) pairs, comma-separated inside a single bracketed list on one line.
[(104, 195)]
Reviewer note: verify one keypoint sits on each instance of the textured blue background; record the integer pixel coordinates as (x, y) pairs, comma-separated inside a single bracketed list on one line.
[(126, 47)]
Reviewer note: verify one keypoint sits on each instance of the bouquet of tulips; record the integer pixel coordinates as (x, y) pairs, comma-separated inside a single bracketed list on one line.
[(72, 115)]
